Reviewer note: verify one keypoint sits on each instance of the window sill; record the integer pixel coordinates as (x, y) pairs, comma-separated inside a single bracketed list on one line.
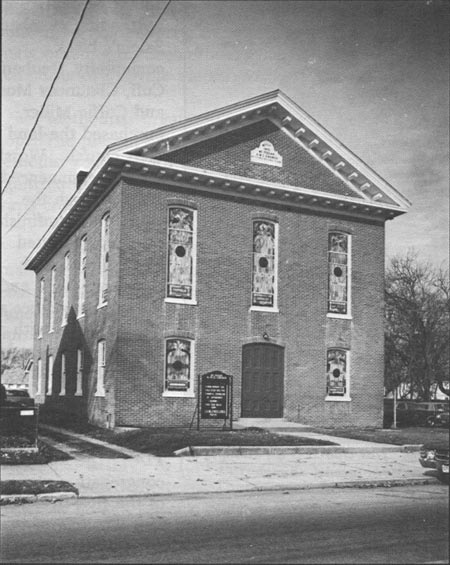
[(81, 316), (338, 399), (180, 301), (340, 316), (100, 394), (51, 331), (172, 394), (62, 394), (102, 305), (263, 309), (78, 394), (63, 325), (39, 336)]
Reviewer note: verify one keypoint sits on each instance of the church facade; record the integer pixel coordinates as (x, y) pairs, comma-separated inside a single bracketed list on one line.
[(246, 240)]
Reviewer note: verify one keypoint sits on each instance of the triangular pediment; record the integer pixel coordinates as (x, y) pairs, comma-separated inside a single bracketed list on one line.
[(261, 151), (298, 151), (266, 149)]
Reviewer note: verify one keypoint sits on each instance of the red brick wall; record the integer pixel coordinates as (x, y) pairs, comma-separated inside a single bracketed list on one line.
[(137, 318), (98, 323), (221, 321), (230, 153)]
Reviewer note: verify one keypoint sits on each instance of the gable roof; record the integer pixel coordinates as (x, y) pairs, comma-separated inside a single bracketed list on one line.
[(153, 156)]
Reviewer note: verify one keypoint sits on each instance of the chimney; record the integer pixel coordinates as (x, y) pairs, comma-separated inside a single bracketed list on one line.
[(81, 175)]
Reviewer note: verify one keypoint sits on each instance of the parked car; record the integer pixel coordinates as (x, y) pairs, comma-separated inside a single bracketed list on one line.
[(436, 456), (441, 419), (18, 397), (413, 413)]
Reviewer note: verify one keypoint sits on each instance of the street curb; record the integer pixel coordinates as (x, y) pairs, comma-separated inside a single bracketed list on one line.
[(6, 499), (291, 449), (380, 483)]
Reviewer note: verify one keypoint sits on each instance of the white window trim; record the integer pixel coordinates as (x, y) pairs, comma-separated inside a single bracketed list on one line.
[(102, 302), (80, 359), (101, 363), (346, 397), (193, 300), (174, 393), (62, 391), (39, 376), (348, 315), (66, 287), (274, 308), (81, 279), (41, 307), (50, 376), (51, 328)]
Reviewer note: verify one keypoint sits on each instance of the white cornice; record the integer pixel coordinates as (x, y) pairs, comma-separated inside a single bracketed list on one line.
[(116, 160)]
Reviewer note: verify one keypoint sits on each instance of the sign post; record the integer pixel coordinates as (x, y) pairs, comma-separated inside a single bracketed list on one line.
[(215, 397)]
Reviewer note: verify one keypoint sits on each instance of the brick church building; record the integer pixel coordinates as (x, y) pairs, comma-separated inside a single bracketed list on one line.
[(247, 240)]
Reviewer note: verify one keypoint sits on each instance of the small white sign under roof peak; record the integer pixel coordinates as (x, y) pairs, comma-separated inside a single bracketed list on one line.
[(266, 155)]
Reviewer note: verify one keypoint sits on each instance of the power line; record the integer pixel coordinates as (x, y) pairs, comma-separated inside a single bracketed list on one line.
[(93, 119), (55, 78)]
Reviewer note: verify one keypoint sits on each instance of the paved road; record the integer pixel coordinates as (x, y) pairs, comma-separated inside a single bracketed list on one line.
[(396, 525)]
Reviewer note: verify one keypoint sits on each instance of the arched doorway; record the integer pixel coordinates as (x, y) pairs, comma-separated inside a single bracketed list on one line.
[(262, 380)]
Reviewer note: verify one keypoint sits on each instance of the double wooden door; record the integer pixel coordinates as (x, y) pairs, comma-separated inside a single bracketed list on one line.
[(262, 380)]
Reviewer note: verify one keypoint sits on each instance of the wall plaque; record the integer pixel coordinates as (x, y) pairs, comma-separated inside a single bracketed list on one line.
[(266, 155)]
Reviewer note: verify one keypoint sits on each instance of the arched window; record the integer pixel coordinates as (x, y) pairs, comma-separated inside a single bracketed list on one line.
[(80, 360), (179, 370), (339, 265), (104, 262), (66, 288), (52, 300), (181, 246), (264, 282), (82, 277), (62, 390), (41, 307), (337, 374), (49, 375), (101, 368)]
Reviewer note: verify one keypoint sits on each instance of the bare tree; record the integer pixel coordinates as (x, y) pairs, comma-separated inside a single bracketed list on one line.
[(416, 327), (15, 357)]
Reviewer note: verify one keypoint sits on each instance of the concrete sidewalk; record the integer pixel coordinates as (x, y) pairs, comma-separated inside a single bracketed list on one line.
[(147, 475)]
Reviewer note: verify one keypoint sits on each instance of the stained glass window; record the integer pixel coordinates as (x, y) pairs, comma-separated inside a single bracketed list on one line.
[(178, 365), (336, 372), (180, 251), (338, 269), (263, 288)]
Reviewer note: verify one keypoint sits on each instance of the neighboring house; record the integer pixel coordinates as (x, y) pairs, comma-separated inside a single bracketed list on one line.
[(15, 377), (247, 240)]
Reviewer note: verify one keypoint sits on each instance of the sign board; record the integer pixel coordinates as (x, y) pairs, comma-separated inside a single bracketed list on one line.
[(215, 391), (266, 155)]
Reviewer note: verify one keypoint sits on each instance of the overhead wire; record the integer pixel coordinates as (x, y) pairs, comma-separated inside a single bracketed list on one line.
[(55, 78), (93, 119)]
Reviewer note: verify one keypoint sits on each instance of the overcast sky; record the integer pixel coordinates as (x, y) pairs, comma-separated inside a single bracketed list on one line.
[(374, 73)]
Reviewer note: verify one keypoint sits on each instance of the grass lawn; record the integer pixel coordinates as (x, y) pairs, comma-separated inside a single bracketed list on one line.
[(164, 441), (35, 487), (45, 454), (399, 436)]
